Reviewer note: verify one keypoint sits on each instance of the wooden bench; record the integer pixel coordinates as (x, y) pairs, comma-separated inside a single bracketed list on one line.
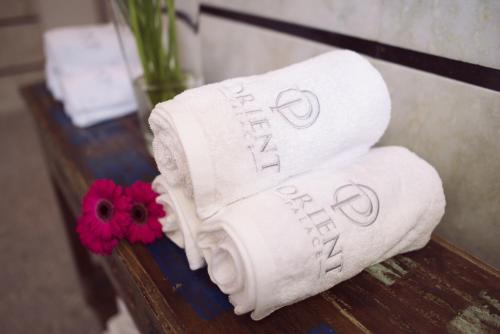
[(434, 290)]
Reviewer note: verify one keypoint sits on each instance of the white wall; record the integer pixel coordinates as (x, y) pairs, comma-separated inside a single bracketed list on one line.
[(452, 124)]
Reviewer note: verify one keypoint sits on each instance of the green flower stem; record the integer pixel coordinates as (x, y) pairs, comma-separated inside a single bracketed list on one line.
[(162, 71)]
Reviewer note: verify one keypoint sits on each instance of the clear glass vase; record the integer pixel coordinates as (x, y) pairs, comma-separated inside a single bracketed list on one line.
[(188, 47), (145, 95)]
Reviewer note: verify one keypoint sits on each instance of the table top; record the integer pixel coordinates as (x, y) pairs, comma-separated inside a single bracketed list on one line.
[(436, 289)]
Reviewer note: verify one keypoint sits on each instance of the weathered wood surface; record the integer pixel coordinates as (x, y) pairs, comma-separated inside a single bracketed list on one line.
[(437, 289)]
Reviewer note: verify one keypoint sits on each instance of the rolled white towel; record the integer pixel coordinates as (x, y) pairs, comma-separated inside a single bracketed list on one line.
[(229, 140), (180, 224), (98, 94), (319, 229)]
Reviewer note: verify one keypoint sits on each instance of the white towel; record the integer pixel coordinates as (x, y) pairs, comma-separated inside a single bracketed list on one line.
[(229, 140), (180, 223), (93, 95), (319, 229), (69, 49), (85, 69)]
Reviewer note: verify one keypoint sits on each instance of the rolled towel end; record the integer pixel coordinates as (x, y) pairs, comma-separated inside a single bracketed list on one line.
[(180, 223), (227, 267), (317, 230), (166, 147), (170, 223)]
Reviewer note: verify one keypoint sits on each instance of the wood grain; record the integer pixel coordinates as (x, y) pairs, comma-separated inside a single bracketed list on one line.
[(437, 289)]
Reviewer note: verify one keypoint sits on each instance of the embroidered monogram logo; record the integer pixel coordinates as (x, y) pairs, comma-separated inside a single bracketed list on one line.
[(357, 202), (299, 107), (353, 203), (256, 127), (318, 223)]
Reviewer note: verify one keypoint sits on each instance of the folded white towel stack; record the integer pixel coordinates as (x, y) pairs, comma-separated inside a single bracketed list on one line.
[(226, 141), (71, 48), (181, 223), (319, 229), (92, 96), (85, 69)]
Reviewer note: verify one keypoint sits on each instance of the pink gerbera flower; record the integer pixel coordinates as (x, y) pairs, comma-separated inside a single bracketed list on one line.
[(144, 214), (93, 243), (104, 213)]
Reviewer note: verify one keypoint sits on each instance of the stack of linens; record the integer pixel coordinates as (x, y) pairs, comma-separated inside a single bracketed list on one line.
[(85, 70), (272, 181)]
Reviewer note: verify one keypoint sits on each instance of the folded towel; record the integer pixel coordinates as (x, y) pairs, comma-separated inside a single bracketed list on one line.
[(181, 223), (94, 95), (99, 115), (229, 140), (71, 48), (319, 229), (52, 79)]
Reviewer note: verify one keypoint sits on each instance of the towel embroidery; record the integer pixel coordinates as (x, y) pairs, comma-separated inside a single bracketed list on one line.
[(256, 128), (319, 225), (356, 202), (299, 107)]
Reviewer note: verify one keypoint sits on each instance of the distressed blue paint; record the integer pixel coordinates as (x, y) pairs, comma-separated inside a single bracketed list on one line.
[(322, 328), (84, 136), (194, 286), (59, 116), (104, 131), (77, 137), (125, 167), (139, 165)]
